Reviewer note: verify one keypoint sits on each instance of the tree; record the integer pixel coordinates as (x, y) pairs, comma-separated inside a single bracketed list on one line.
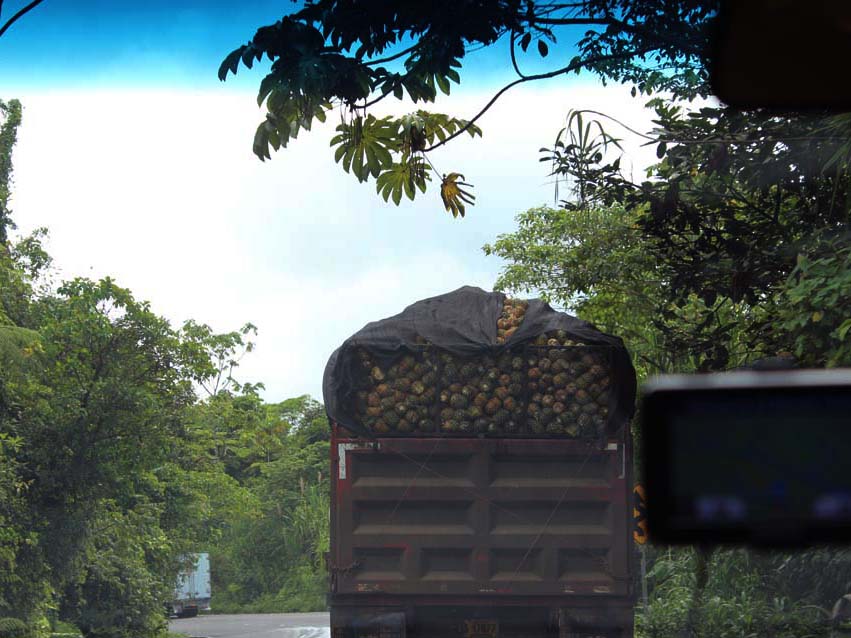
[(11, 115), (350, 55), (739, 217), (268, 557)]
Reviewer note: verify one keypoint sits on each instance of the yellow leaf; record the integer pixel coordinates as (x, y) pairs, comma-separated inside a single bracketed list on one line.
[(817, 315), (453, 196)]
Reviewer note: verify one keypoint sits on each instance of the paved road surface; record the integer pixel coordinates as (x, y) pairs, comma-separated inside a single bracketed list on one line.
[(313, 625)]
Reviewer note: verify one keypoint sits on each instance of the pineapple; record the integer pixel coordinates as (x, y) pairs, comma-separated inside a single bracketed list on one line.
[(467, 371), (391, 418), (554, 427), (458, 401), (492, 406)]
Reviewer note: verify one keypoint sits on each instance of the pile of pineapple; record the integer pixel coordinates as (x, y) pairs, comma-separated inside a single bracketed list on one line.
[(553, 386), (513, 311), (484, 395), (398, 398), (568, 386)]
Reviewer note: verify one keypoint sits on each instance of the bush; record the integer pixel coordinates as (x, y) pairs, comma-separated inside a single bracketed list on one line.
[(13, 628)]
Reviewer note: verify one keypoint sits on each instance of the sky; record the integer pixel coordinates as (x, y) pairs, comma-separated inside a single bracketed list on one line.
[(138, 161)]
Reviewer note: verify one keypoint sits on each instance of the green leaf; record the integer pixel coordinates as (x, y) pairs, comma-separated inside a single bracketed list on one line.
[(231, 62), (402, 177), (366, 144)]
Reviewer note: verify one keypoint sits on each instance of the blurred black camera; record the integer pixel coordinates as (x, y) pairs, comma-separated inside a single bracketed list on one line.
[(783, 54), (758, 458)]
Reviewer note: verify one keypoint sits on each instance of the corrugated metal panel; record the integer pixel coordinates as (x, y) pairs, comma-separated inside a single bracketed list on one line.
[(480, 516)]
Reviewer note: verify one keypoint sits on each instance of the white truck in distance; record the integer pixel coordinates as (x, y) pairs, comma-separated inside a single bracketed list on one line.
[(192, 593)]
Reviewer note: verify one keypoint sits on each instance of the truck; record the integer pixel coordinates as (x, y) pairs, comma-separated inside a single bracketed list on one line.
[(481, 538), (192, 592), (481, 475)]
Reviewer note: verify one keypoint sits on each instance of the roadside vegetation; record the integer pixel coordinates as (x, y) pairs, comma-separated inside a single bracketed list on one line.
[(126, 442)]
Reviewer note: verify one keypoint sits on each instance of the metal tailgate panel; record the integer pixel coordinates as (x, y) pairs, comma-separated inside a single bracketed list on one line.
[(474, 516)]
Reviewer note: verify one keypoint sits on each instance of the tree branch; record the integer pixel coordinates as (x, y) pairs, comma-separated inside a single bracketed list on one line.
[(513, 58), (395, 56), (32, 5), (541, 76)]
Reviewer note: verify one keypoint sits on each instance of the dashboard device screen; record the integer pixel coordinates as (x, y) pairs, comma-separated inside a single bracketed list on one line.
[(746, 457)]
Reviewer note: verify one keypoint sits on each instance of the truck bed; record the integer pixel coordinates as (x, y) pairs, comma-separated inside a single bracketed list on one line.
[(451, 520)]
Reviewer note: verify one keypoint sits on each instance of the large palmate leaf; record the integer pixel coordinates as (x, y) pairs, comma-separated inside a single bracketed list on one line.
[(364, 145), (454, 197), (403, 177)]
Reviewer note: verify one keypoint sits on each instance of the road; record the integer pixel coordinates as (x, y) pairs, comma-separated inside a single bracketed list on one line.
[(312, 625)]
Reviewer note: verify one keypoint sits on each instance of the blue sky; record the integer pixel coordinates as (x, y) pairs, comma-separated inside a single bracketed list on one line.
[(157, 43), (138, 160)]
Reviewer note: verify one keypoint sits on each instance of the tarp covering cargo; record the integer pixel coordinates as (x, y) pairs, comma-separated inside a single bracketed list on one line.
[(472, 363)]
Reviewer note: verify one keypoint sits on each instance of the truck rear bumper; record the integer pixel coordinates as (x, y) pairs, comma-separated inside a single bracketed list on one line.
[(505, 618)]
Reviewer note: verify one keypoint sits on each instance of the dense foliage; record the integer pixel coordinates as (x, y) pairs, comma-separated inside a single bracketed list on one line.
[(350, 55), (734, 249), (126, 443)]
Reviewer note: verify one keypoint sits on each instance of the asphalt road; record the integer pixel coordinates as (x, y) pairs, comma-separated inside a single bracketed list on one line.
[(312, 625)]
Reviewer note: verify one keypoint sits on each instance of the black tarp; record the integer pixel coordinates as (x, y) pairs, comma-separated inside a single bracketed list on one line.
[(464, 322)]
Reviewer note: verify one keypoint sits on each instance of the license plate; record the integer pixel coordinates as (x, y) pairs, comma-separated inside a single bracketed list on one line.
[(481, 628)]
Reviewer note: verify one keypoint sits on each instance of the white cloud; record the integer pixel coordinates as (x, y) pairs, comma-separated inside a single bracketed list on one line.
[(161, 191)]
